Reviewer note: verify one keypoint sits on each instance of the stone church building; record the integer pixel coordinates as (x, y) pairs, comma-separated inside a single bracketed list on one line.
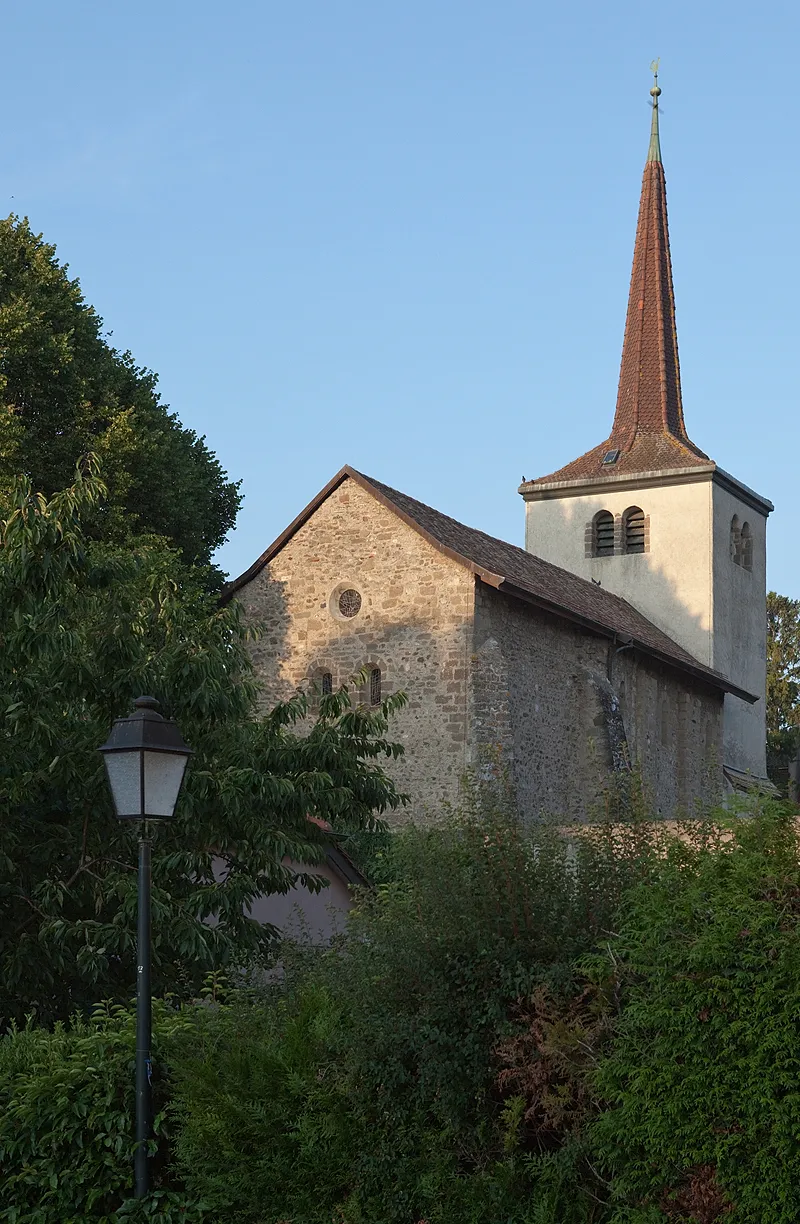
[(632, 626)]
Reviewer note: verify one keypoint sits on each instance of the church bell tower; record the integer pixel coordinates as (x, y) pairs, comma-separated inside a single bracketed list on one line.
[(651, 517)]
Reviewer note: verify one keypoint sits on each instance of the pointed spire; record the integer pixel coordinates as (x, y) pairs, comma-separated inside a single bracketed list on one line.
[(649, 396), (654, 152), (648, 433)]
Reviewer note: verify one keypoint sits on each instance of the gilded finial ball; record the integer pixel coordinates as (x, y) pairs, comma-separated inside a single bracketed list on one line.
[(655, 91)]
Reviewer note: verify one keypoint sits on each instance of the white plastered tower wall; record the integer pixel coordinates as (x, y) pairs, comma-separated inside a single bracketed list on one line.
[(671, 583), (739, 637), (686, 581)]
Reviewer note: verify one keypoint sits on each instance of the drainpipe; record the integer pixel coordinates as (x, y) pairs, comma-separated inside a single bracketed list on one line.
[(627, 644)]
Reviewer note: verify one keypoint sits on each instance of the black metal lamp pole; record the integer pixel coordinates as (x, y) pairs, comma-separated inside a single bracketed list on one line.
[(145, 759), (144, 1020)]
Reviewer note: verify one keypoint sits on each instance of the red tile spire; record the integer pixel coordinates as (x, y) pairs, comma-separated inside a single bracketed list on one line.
[(648, 430)]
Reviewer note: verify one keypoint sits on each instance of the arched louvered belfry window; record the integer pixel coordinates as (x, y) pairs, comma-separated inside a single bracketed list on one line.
[(633, 530), (736, 540), (746, 540), (603, 534)]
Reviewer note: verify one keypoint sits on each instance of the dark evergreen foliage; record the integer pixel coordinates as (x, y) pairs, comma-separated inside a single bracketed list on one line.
[(65, 391)]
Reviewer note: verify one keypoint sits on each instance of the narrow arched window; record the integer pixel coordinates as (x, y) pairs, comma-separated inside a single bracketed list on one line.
[(603, 534), (633, 530), (326, 683), (736, 540), (375, 686), (746, 540)]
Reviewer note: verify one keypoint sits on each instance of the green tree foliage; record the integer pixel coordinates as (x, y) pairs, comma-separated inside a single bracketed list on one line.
[(67, 1121), (258, 1093), (783, 662), (64, 391), (84, 628), (783, 686), (702, 1083)]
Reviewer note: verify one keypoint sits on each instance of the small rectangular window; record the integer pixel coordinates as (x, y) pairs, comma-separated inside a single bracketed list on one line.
[(327, 683), (375, 686)]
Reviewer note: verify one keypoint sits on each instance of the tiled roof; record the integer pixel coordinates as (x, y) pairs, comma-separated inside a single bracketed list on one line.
[(515, 572), (648, 430), (649, 452), (531, 575)]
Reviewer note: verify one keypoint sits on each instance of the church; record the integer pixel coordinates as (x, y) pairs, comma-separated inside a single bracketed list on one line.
[(631, 629)]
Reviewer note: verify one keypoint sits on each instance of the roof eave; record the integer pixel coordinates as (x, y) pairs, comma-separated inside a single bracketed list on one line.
[(547, 489), (743, 492), (715, 679), (340, 862), (535, 490)]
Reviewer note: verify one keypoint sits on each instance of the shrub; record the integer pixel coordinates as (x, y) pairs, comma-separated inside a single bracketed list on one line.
[(66, 1121), (262, 1120), (367, 1083), (517, 1027), (702, 1083)]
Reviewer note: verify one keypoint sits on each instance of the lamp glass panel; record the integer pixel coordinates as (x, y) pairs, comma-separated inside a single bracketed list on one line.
[(125, 780), (163, 774)]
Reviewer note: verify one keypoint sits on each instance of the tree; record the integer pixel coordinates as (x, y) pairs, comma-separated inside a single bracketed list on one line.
[(85, 626), (783, 662), (64, 391), (783, 686)]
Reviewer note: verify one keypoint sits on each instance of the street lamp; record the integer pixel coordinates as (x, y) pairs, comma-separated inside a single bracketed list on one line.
[(145, 759)]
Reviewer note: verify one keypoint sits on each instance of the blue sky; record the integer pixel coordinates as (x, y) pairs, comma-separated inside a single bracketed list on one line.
[(399, 235)]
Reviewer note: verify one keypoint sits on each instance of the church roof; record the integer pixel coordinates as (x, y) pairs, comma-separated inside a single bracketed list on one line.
[(648, 433), (515, 572)]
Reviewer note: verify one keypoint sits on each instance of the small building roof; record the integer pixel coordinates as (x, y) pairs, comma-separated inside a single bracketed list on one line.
[(515, 572)]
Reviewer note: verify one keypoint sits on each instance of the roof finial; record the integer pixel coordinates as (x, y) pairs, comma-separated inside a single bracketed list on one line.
[(654, 152)]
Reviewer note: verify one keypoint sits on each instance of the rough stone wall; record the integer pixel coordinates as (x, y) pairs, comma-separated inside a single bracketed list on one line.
[(541, 694), (415, 624), (675, 729)]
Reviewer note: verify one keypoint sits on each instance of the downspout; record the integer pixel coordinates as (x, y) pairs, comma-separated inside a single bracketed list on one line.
[(627, 644)]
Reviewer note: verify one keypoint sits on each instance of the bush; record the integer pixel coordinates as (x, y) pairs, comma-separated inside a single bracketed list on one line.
[(702, 1083), (517, 1027), (262, 1121), (369, 1084), (66, 1121)]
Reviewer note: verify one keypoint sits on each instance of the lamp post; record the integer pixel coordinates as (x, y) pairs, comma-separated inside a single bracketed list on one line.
[(145, 759)]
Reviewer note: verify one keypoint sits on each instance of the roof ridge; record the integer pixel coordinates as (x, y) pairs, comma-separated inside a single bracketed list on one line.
[(674, 653), (510, 569)]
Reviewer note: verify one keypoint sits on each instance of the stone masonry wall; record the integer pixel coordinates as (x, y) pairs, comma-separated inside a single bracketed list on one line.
[(540, 691), (415, 624)]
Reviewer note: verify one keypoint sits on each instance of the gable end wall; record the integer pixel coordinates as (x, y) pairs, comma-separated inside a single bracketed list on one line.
[(415, 624)]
